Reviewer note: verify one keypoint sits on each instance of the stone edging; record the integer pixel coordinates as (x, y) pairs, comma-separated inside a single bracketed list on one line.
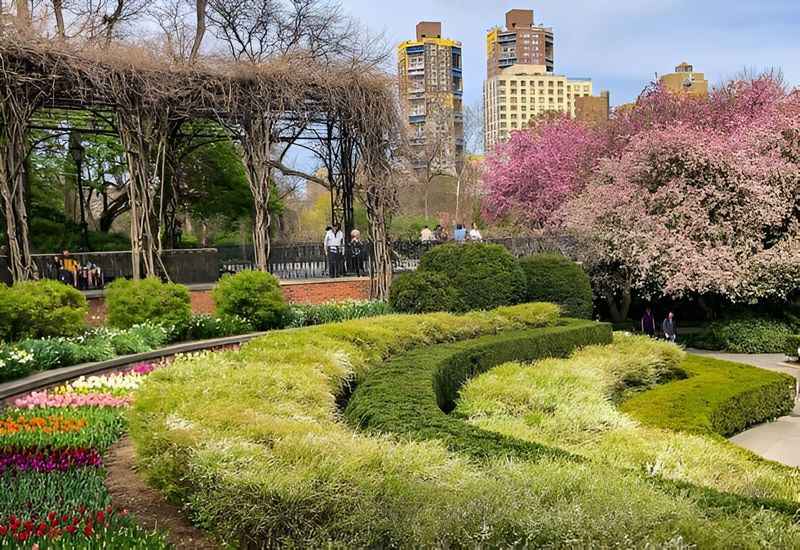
[(48, 378)]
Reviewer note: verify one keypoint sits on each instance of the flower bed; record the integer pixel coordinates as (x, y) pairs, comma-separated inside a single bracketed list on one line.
[(51, 467)]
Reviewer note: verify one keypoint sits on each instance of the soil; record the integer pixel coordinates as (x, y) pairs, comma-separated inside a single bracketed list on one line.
[(129, 491)]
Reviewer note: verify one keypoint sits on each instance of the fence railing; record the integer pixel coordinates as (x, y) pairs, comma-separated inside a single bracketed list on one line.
[(286, 261)]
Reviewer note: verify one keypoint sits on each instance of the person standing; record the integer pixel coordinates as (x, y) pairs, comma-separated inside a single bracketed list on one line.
[(334, 241), (668, 327), (648, 323), (426, 235), (357, 252), (475, 234), (460, 234)]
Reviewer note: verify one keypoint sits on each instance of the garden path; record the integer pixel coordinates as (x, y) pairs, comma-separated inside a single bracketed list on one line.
[(778, 440)]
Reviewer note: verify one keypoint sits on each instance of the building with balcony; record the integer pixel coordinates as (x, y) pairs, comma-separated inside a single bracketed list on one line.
[(521, 42), (430, 82), (518, 95)]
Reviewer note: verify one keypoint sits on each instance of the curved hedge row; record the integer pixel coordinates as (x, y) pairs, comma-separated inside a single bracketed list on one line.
[(412, 394), (717, 397)]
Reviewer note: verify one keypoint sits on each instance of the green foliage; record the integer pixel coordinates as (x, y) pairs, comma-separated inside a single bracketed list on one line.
[(746, 334), (303, 315), (54, 234), (408, 227), (718, 397), (557, 279), (36, 309), (15, 362), (399, 397), (205, 327), (792, 345), (133, 302), (252, 295), (423, 292), (484, 275)]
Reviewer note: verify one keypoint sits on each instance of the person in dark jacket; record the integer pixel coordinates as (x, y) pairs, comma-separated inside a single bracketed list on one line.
[(648, 323), (668, 327)]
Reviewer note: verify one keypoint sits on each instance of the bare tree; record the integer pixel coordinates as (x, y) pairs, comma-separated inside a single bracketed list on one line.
[(200, 10), (104, 20)]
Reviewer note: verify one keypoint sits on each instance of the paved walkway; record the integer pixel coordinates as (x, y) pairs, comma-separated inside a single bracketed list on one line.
[(779, 440)]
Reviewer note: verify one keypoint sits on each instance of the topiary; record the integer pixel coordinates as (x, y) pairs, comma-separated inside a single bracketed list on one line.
[(132, 302), (39, 309), (557, 279), (422, 292), (252, 295), (484, 275)]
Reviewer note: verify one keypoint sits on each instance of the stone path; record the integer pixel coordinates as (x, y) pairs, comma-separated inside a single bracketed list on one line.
[(779, 440)]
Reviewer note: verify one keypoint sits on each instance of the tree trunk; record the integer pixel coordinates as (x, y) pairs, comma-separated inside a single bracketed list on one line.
[(382, 272), (58, 12), (257, 147), (619, 311), (13, 152), (200, 29)]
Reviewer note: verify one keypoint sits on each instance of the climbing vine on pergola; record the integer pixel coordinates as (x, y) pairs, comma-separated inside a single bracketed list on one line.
[(265, 106)]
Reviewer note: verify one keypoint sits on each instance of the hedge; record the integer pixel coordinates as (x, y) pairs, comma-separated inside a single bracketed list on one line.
[(792, 345), (485, 276), (557, 279), (413, 393), (252, 295), (251, 443), (718, 397), (41, 309), (422, 292), (132, 303)]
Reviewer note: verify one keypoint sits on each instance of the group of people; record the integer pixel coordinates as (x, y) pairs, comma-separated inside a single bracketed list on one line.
[(460, 234), (648, 325), (338, 257), (70, 271)]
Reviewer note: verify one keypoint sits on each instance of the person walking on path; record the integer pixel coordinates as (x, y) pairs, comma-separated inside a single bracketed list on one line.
[(668, 327), (334, 240), (648, 323)]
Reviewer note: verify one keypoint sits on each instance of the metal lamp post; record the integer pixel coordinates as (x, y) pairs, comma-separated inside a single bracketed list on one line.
[(76, 150)]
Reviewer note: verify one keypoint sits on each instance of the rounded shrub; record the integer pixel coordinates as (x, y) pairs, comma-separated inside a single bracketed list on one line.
[(422, 292), (557, 279), (252, 295), (39, 309), (484, 275), (130, 303)]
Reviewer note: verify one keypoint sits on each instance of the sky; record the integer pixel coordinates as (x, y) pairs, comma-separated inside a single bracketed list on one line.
[(620, 44)]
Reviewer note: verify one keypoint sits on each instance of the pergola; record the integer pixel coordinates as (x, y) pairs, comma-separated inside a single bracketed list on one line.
[(344, 113)]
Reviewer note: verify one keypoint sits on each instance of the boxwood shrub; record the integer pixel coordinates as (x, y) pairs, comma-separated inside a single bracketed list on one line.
[(131, 302), (485, 276), (745, 334), (557, 279), (717, 397), (252, 295), (40, 309), (792, 346), (423, 292)]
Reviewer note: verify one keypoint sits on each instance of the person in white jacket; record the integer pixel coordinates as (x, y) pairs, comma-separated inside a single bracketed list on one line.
[(475, 234), (334, 249)]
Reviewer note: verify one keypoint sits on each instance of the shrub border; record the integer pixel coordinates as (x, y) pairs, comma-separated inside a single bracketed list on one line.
[(722, 410), (413, 393)]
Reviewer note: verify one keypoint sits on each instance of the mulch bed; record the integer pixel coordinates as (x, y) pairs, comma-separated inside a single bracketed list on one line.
[(128, 490)]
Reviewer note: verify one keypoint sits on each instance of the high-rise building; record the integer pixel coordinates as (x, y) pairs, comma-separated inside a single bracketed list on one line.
[(520, 43), (685, 80), (431, 89), (520, 93)]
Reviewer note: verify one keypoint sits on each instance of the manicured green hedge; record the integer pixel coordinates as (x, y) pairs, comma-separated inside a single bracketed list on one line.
[(148, 300), (745, 334), (484, 275), (792, 345), (412, 394), (718, 397), (422, 292), (252, 295), (557, 279), (41, 309)]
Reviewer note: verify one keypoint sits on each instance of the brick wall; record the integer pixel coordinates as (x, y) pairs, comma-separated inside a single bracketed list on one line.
[(306, 292)]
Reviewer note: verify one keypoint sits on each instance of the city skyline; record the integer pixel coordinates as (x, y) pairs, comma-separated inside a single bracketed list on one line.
[(647, 37)]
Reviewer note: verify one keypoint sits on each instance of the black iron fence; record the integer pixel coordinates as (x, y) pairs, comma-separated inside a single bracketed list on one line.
[(287, 261)]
